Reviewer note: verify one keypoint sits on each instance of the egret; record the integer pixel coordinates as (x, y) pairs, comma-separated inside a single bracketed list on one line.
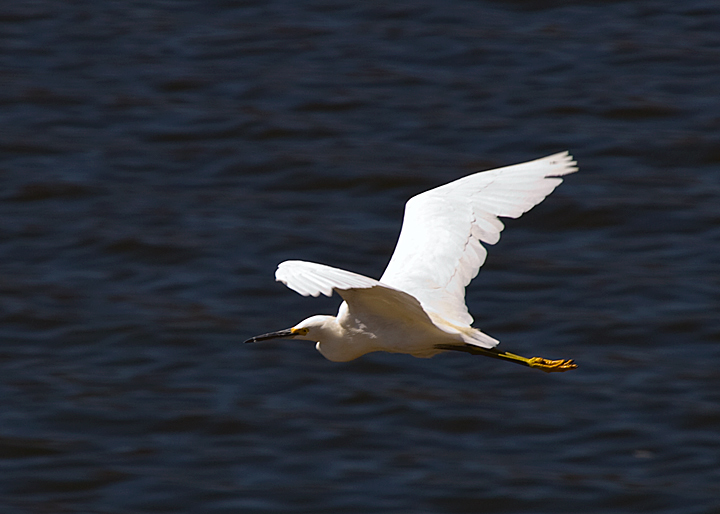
[(418, 305)]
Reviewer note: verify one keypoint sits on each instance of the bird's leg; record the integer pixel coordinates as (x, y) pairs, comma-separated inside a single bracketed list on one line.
[(545, 365)]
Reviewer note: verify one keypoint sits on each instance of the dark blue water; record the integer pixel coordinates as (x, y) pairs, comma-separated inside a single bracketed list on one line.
[(158, 159)]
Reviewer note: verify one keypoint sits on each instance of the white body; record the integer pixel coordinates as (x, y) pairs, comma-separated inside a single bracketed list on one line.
[(419, 302), (379, 318)]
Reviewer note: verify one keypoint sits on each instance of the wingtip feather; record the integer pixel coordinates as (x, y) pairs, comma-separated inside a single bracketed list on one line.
[(313, 279)]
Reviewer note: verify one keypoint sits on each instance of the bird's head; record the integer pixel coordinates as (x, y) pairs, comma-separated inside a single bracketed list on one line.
[(313, 328)]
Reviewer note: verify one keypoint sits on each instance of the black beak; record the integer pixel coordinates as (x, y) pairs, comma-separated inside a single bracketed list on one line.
[(287, 333)]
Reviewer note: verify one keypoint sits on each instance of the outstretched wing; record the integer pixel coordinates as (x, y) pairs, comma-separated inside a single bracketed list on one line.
[(439, 252), (360, 292), (312, 279)]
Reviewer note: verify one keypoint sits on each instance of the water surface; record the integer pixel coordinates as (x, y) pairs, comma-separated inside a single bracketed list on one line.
[(158, 159)]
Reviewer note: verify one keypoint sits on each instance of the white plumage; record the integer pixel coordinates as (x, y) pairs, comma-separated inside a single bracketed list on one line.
[(418, 305)]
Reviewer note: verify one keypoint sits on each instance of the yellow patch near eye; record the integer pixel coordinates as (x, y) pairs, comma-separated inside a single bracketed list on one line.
[(299, 331)]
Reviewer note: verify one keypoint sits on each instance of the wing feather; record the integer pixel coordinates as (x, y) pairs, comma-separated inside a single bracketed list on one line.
[(439, 252), (312, 279), (360, 292)]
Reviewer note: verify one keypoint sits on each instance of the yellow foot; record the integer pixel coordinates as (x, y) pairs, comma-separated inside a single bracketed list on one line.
[(549, 366)]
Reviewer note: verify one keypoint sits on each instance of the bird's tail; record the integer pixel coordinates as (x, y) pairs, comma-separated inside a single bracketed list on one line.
[(476, 338), (469, 335)]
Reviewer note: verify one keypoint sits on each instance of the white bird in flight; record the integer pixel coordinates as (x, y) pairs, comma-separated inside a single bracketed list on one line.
[(418, 305)]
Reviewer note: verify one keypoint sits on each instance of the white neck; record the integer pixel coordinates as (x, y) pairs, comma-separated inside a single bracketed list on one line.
[(334, 342)]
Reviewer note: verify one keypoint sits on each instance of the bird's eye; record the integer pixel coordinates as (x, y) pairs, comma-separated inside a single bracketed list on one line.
[(299, 331)]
